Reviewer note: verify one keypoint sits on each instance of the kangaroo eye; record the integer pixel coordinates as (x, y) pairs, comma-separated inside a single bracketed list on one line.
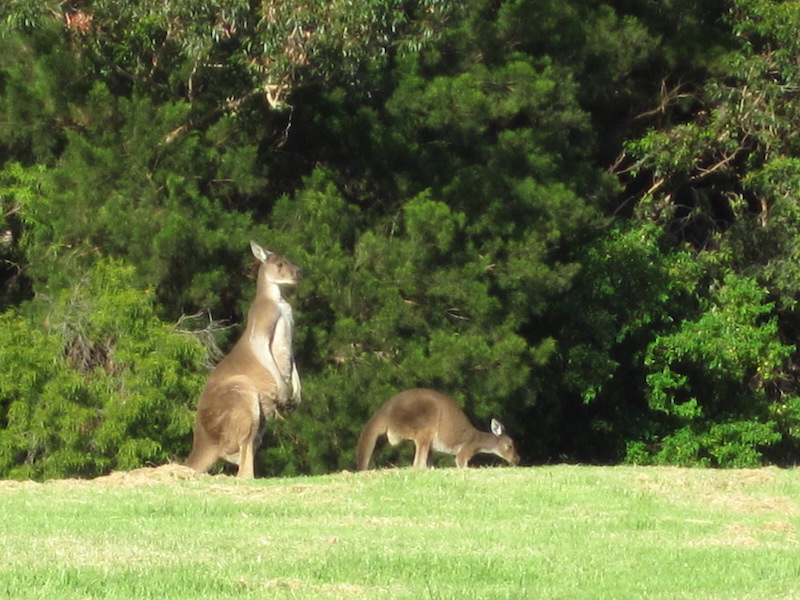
[(280, 264)]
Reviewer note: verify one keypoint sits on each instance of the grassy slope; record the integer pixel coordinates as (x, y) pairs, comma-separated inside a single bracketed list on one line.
[(549, 532)]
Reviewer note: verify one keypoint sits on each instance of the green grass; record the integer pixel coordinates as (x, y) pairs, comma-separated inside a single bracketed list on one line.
[(545, 533)]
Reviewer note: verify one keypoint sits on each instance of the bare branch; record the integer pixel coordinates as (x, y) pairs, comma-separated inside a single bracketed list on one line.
[(207, 334)]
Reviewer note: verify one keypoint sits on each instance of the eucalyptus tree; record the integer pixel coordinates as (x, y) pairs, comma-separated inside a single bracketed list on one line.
[(722, 181)]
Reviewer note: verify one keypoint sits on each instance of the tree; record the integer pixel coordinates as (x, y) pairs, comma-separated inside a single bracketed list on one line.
[(230, 51), (444, 281), (723, 183)]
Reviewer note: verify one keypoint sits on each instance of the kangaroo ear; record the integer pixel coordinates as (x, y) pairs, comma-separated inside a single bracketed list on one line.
[(259, 252), (497, 428)]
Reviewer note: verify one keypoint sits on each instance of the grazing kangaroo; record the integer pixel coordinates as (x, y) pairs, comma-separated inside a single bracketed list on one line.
[(254, 380), (432, 421)]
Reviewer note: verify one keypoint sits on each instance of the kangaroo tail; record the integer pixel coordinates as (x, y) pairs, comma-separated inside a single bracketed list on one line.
[(366, 441), (202, 459)]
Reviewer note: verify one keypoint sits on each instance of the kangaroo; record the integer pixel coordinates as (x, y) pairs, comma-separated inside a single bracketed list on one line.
[(256, 378), (432, 421)]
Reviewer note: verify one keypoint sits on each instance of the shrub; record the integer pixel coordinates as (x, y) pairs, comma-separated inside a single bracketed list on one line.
[(99, 384)]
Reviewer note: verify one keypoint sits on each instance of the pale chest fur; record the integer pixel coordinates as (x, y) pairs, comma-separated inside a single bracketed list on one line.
[(281, 345), (278, 346)]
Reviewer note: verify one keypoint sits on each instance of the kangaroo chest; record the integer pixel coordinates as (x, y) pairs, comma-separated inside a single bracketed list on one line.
[(281, 343), (273, 344)]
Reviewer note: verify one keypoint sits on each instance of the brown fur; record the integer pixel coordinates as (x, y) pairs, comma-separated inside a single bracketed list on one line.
[(254, 380), (434, 422)]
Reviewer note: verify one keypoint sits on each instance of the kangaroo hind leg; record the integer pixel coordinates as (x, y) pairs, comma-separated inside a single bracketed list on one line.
[(248, 438), (247, 460), (240, 428), (422, 454)]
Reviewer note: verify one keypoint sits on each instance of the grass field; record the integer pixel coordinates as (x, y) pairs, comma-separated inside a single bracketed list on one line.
[(546, 532)]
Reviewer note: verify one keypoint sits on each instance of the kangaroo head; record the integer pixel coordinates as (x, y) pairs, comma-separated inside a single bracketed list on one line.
[(505, 445), (275, 268)]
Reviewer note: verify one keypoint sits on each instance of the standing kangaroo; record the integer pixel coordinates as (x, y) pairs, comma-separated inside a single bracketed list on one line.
[(254, 380), (432, 421)]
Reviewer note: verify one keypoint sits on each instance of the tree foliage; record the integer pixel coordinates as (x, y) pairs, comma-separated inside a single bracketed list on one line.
[(577, 216), (721, 182)]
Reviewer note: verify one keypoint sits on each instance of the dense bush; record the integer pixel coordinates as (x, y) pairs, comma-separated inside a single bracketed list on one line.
[(92, 380)]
